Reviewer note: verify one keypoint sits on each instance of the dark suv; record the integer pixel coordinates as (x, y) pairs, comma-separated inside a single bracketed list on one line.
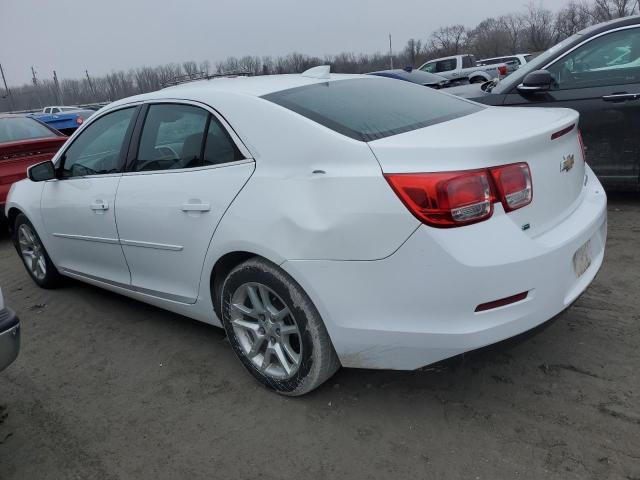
[(597, 73)]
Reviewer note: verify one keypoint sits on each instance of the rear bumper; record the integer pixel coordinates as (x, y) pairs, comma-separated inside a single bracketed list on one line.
[(417, 306), (9, 338)]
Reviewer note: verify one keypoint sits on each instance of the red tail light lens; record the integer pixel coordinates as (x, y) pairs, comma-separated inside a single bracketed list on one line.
[(582, 149), (502, 70), (454, 199), (514, 185), (79, 120), (447, 199)]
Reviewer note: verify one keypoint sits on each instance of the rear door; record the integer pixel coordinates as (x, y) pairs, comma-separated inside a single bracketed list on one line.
[(183, 172), (601, 79)]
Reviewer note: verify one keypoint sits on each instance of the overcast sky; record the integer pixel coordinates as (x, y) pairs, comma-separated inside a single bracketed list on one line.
[(105, 35)]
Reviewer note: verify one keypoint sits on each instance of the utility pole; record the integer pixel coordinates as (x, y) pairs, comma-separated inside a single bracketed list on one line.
[(93, 90), (58, 89), (390, 53), (35, 85), (6, 89)]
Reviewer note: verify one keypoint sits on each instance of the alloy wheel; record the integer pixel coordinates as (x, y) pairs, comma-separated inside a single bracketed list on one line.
[(32, 252), (266, 330)]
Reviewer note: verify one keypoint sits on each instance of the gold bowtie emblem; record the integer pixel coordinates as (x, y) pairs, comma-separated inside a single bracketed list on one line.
[(567, 163)]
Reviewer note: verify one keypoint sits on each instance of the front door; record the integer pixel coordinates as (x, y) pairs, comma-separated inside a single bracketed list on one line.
[(181, 178), (601, 80), (78, 208)]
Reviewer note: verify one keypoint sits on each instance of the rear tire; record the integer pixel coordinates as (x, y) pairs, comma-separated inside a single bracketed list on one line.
[(33, 254), (275, 330)]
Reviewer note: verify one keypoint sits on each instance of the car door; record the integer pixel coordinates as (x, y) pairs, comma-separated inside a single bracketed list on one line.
[(601, 79), (78, 207), (184, 171)]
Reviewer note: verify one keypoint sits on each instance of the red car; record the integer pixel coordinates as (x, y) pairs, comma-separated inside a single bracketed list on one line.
[(24, 142)]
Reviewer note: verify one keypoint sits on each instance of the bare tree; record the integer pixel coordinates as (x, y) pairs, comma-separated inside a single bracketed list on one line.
[(449, 40), (539, 29)]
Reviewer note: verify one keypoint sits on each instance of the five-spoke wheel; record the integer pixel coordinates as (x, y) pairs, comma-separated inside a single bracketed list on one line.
[(281, 341)]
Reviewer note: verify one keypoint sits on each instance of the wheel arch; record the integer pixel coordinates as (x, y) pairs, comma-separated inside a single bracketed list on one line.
[(221, 269), (12, 214), (478, 75)]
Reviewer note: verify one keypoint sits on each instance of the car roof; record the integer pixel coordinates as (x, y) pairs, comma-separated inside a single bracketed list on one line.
[(611, 24), (257, 86)]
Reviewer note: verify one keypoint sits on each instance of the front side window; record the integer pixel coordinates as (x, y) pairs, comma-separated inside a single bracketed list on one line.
[(612, 59), (173, 137), (98, 150), (440, 66), (372, 108)]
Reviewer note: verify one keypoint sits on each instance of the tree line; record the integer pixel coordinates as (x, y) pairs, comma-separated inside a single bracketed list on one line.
[(534, 29)]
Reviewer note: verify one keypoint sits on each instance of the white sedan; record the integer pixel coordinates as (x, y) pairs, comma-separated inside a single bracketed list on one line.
[(321, 219)]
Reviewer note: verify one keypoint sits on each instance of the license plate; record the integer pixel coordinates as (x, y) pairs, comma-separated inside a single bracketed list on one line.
[(582, 259)]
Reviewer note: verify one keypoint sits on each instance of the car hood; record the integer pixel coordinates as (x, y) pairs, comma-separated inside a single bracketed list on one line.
[(470, 91)]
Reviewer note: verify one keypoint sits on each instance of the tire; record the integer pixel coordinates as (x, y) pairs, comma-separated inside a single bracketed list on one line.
[(288, 330), (33, 254)]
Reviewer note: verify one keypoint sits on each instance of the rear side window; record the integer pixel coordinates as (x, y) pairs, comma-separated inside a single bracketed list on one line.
[(370, 109), (178, 136), (14, 129)]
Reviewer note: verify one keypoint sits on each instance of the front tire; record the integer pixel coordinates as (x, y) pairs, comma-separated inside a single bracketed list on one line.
[(275, 330), (33, 254)]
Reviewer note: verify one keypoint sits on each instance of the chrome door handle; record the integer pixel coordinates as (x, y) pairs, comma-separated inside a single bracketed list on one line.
[(196, 207), (100, 206), (621, 97)]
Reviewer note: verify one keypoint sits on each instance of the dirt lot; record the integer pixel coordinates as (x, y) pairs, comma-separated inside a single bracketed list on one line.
[(106, 387)]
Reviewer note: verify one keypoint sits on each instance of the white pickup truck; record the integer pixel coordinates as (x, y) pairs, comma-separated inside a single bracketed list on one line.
[(464, 67)]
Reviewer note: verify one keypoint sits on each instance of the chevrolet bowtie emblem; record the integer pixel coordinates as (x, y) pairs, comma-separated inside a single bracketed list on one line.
[(567, 163)]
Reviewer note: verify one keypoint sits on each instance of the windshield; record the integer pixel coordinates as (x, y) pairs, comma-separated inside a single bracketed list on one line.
[(537, 63), (14, 129), (372, 108)]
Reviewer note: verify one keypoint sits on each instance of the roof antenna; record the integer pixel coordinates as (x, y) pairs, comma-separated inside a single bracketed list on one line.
[(322, 72)]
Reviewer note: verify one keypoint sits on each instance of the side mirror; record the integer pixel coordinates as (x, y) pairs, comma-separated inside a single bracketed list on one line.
[(41, 172), (538, 81)]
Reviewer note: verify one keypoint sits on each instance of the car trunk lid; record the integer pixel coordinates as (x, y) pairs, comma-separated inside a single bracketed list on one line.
[(492, 137)]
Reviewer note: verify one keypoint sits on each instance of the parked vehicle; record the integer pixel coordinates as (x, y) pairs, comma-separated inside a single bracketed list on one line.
[(9, 335), (516, 60), (59, 109), (597, 73), (66, 121), (426, 79), (24, 141), (323, 220), (463, 67)]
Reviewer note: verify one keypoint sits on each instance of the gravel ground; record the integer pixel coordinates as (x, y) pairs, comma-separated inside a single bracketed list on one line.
[(106, 387)]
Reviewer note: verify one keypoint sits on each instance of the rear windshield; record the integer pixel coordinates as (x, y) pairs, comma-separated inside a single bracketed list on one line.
[(370, 109), (13, 129)]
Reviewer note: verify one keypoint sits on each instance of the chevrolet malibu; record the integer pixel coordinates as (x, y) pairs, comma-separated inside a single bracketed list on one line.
[(322, 220)]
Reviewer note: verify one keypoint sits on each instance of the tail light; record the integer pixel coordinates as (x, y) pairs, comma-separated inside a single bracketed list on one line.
[(79, 120), (453, 199), (502, 70), (582, 149), (513, 183)]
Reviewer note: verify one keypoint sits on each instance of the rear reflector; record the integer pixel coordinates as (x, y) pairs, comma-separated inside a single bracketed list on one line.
[(483, 307), (454, 199), (562, 132)]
